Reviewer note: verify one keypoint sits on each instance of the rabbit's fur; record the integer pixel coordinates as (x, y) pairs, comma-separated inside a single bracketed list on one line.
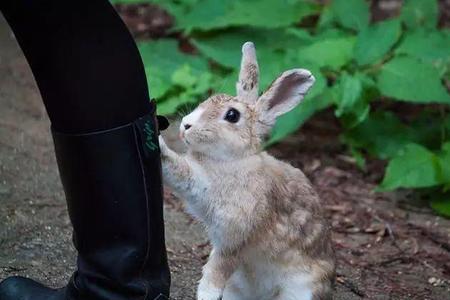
[(270, 239)]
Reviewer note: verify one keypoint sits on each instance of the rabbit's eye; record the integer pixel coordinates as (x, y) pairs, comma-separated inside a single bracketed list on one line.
[(232, 115)]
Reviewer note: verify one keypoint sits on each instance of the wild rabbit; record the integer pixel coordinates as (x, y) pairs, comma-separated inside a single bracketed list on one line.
[(270, 239)]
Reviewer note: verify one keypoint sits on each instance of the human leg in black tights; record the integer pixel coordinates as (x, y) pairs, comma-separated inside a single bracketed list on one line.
[(93, 85), (84, 60)]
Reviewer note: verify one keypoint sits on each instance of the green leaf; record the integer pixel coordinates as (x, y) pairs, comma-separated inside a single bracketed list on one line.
[(444, 160), (413, 167), (333, 52), (429, 46), (326, 18), (225, 47), (359, 158), (440, 202), (353, 93), (276, 50), (375, 41), (381, 135), (184, 77), (207, 15), (420, 13), (162, 59), (225, 83), (350, 92), (352, 14), (176, 8), (194, 88), (407, 79)]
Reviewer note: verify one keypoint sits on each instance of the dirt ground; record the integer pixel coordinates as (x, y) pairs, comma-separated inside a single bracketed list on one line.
[(388, 245)]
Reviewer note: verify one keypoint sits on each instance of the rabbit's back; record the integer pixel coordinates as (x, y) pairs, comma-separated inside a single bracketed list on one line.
[(294, 243)]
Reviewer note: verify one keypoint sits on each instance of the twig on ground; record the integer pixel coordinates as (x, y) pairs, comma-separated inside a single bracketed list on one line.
[(432, 236), (350, 285)]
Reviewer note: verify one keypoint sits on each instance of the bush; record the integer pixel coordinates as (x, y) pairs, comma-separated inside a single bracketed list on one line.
[(358, 65)]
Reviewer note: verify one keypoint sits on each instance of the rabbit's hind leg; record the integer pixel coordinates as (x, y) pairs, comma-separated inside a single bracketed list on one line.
[(237, 288), (298, 287)]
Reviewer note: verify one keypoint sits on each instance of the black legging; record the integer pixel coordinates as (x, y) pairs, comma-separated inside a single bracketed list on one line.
[(85, 62)]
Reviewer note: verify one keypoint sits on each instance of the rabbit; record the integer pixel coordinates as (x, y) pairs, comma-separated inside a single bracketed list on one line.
[(269, 237)]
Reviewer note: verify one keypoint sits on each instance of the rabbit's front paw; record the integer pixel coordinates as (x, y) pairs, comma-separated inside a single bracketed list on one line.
[(208, 292), (162, 146)]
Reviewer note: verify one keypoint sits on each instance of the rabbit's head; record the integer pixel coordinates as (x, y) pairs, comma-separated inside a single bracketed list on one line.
[(230, 127)]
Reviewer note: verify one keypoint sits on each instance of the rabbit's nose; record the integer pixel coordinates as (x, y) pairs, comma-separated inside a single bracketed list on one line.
[(187, 126)]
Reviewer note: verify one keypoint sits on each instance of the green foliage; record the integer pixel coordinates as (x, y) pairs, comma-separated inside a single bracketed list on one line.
[(381, 135), (414, 166), (174, 78), (352, 14), (431, 47), (442, 204), (356, 63), (420, 13), (319, 52), (408, 79), (375, 41)]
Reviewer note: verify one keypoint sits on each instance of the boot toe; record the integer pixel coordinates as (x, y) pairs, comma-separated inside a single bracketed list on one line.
[(21, 288)]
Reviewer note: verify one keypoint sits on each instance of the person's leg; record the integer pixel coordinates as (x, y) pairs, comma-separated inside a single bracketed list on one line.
[(84, 60), (104, 128)]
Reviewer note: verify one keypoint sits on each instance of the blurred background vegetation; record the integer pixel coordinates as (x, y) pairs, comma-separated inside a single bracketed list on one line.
[(386, 78)]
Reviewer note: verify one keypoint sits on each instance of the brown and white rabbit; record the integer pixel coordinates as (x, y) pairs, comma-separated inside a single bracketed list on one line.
[(270, 239)]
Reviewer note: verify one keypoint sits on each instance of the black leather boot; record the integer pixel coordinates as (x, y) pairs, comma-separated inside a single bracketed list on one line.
[(112, 182)]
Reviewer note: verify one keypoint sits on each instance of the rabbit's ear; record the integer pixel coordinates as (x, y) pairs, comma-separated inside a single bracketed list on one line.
[(283, 95), (247, 86)]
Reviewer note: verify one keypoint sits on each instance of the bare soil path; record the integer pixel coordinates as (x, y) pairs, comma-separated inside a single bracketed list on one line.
[(387, 248)]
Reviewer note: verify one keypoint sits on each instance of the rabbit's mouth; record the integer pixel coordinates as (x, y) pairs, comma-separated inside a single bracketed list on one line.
[(183, 138)]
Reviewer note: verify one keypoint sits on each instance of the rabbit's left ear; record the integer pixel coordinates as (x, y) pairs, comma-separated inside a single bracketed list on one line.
[(247, 86), (283, 95)]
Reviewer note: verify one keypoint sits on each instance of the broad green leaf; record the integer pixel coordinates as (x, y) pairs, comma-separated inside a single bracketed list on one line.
[(275, 49), (429, 128), (162, 59), (442, 205), (212, 14), (225, 47), (178, 9), (331, 33), (352, 14), (444, 159), (333, 53), (374, 41), (350, 92), (359, 158), (184, 77), (225, 83), (428, 46), (301, 34), (194, 88), (326, 18), (381, 135), (420, 13), (353, 93), (413, 167), (408, 79)]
